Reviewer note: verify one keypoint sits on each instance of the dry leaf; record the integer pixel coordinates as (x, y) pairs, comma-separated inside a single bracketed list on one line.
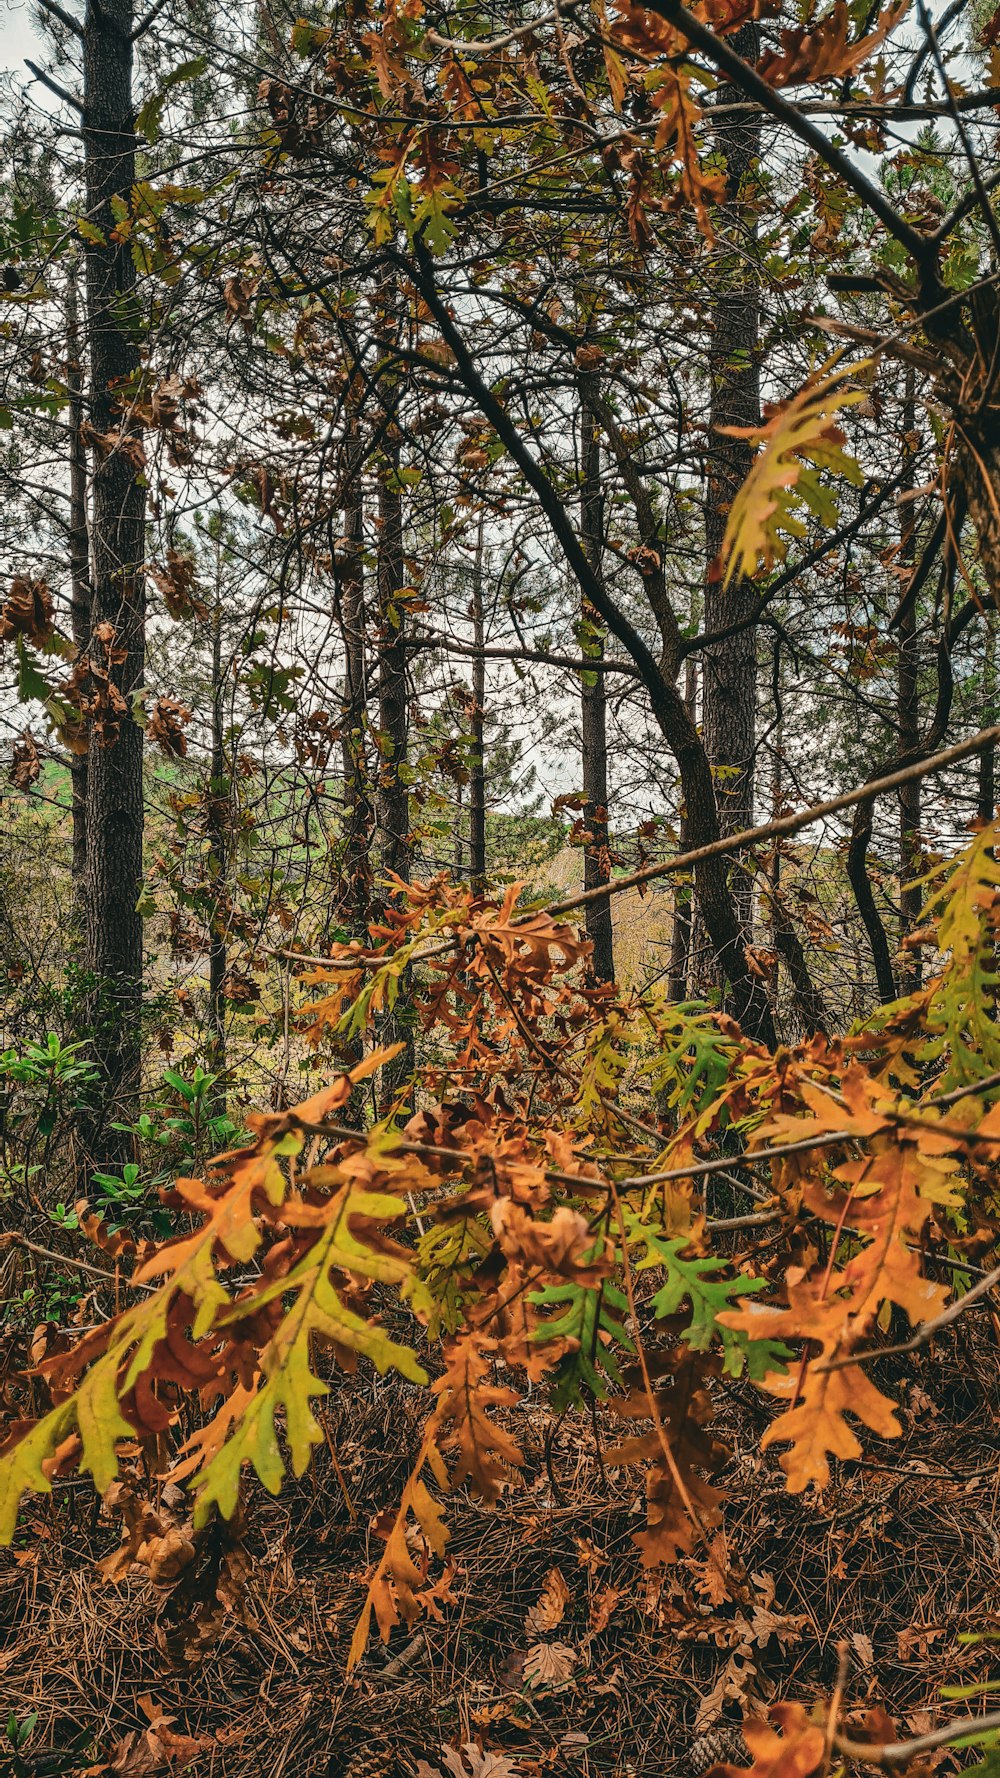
[(601, 1608), (551, 1607), (474, 1764), (549, 1663)]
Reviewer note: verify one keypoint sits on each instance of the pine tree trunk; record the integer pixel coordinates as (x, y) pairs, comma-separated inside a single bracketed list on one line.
[(117, 634), (477, 760), (680, 938), (79, 568), (593, 710), (987, 797), (218, 805), (355, 860), (729, 667), (908, 715), (393, 794)]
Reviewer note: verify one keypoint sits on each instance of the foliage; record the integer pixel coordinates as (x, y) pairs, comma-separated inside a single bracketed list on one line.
[(801, 448), (540, 1262)]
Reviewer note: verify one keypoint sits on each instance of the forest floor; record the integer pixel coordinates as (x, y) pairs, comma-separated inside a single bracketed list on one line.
[(236, 1668)]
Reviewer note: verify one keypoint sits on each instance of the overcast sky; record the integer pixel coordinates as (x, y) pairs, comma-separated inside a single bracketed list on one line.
[(17, 36)]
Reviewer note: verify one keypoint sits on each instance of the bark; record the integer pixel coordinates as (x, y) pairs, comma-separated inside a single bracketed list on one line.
[(79, 568), (807, 1000), (477, 736), (393, 794), (218, 810), (117, 636), (729, 667), (358, 815), (908, 716), (987, 797), (911, 746), (593, 709), (680, 938)]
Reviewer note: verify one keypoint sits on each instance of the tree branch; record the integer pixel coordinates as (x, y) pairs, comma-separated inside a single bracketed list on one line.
[(785, 824), (65, 18), (921, 247), (54, 87)]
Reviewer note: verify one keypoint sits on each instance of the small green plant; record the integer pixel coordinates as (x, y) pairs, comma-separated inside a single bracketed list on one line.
[(124, 1199), (20, 1733), (189, 1124), (44, 1089)]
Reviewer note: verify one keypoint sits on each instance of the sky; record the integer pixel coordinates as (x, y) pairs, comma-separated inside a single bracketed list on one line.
[(18, 37)]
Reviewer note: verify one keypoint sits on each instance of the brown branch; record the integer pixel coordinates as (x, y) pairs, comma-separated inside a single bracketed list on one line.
[(78, 1265), (575, 663), (920, 246), (921, 1334), (785, 824), (899, 1753)]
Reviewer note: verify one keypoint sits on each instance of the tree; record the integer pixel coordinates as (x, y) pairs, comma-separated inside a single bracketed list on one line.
[(116, 648)]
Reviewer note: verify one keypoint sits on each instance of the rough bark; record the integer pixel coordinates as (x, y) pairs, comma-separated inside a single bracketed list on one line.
[(117, 633), (393, 794), (393, 797), (79, 567), (987, 796), (477, 720), (729, 667), (355, 907), (680, 938), (908, 715), (593, 709), (911, 746), (218, 811)]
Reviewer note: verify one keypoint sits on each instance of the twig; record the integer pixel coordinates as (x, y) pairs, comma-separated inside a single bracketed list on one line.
[(79, 1265), (923, 1333), (784, 824), (899, 1753)]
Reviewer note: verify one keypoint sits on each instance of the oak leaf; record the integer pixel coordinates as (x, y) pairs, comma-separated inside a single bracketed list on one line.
[(551, 1607), (794, 1753), (549, 1664)]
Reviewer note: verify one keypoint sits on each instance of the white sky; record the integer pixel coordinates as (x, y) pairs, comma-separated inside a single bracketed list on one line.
[(18, 37)]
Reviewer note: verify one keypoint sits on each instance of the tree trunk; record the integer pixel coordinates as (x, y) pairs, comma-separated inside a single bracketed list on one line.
[(477, 721), (117, 633), (680, 938), (355, 859), (218, 810), (593, 707), (987, 798), (79, 569), (729, 667), (393, 796), (908, 712), (393, 793)]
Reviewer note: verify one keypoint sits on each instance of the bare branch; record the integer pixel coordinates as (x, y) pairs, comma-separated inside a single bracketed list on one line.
[(785, 824), (54, 87)]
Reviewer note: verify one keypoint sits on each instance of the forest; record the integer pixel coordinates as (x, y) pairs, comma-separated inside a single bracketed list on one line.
[(499, 889)]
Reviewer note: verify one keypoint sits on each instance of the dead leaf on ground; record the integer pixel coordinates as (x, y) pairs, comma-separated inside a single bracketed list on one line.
[(157, 1748), (602, 1606), (549, 1663), (551, 1607), (471, 1762)]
